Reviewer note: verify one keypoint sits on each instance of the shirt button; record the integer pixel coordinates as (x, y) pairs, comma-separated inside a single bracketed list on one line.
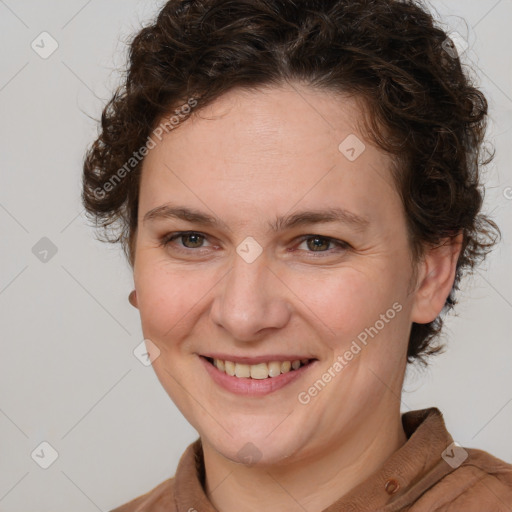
[(392, 486)]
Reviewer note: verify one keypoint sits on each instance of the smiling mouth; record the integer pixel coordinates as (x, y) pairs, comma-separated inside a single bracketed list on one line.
[(258, 371)]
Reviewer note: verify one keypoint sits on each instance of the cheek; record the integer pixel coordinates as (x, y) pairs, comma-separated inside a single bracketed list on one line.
[(345, 303), (167, 299)]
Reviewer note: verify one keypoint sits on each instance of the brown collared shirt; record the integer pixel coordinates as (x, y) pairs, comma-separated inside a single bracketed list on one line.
[(428, 473)]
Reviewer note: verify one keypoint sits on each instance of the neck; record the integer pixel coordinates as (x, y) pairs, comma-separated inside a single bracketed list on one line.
[(310, 484)]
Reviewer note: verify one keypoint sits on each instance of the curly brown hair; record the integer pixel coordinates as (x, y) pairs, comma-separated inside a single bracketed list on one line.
[(422, 107)]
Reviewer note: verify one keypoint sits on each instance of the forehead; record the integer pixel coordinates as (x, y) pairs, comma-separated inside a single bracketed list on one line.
[(270, 124), (267, 148)]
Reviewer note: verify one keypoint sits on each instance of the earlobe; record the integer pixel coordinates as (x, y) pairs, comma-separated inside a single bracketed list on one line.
[(132, 298), (437, 275)]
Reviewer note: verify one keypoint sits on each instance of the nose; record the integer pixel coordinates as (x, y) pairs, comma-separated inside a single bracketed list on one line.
[(251, 300)]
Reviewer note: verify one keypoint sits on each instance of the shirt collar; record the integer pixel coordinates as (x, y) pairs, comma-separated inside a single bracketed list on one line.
[(405, 475)]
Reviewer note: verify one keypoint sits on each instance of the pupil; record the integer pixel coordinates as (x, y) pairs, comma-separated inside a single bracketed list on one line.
[(317, 242), (193, 236)]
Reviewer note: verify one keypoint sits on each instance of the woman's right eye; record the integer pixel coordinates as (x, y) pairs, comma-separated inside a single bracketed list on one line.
[(192, 238)]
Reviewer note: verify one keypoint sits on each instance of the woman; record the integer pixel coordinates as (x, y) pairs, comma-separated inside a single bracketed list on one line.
[(296, 187)]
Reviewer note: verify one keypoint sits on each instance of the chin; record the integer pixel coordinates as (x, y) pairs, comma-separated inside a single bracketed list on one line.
[(256, 447)]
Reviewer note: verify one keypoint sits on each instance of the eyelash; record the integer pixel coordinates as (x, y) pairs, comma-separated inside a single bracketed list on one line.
[(170, 237)]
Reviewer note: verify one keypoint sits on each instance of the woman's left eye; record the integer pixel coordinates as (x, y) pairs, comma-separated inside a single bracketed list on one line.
[(316, 243)]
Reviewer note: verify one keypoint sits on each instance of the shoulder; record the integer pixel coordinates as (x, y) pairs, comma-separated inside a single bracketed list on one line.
[(186, 482), (480, 482), (159, 499)]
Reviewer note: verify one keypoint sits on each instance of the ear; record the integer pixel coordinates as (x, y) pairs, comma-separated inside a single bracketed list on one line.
[(436, 273), (132, 298)]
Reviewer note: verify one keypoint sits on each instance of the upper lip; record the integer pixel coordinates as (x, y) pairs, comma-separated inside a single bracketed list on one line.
[(257, 359)]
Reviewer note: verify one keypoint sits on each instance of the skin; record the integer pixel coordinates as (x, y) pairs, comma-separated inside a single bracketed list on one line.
[(247, 158)]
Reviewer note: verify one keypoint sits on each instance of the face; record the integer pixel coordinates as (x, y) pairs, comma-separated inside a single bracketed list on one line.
[(300, 251)]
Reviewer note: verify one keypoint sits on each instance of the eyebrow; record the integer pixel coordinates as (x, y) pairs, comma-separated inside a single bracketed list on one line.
[(328, 215)]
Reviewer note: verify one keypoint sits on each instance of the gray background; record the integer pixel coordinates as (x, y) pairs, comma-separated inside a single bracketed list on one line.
[(68, 374)]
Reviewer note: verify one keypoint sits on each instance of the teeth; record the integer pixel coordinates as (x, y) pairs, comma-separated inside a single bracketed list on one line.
[(274, 369), (242, 370), (229, 367), (286, 366), (258, 371)]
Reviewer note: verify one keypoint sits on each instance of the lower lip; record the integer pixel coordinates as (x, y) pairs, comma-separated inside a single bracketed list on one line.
[(253, 387)]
